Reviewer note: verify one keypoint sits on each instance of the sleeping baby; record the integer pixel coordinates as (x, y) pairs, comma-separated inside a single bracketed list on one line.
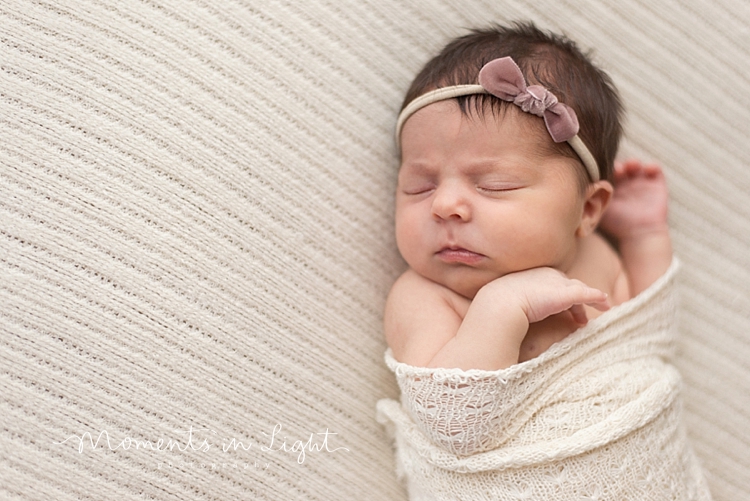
[(533, 358)]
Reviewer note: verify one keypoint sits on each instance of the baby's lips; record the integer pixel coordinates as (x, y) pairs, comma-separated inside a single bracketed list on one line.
[(459, 255)]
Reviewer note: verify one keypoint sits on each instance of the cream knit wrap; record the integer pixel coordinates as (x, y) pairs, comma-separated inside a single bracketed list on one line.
[(595, 417)]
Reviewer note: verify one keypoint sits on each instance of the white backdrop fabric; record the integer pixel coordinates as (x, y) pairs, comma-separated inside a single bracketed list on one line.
[(196, 233)]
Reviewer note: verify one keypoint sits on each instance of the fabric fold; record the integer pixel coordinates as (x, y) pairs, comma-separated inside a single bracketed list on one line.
[(602, 406)]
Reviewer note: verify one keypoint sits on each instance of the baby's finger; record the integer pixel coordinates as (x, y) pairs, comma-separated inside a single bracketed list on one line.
[(602, 305), (633, 167), (581, 293), (591, 297), (579, 314), (652, 170), (619, 171)]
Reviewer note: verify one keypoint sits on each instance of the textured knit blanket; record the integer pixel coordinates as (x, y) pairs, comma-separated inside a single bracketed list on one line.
[(196, 229), (597, 416)]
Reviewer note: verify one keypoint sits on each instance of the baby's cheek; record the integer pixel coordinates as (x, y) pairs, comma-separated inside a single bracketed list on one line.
[(407, 241), (409, 224)]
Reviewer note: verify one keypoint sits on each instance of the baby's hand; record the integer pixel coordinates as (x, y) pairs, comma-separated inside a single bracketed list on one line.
[(542, 292), (639, 203)]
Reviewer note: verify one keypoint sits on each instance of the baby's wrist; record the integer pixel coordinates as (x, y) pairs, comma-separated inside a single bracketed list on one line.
[(650, 245), (505, 304), (642, 233)]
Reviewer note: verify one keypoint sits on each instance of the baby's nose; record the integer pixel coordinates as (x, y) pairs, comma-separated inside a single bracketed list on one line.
[(451, 202)]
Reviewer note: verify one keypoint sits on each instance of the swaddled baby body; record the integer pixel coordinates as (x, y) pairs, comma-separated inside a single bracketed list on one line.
[(507, 142)]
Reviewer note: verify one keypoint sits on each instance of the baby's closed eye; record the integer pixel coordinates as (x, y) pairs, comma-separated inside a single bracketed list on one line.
[(417, 188), (493, 187), (416, 180), (499, 181)]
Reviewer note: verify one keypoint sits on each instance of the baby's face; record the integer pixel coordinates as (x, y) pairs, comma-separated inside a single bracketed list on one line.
[(479, 198)]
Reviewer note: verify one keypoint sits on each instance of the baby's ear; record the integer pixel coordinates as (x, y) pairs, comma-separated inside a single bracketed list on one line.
[(597, 199)]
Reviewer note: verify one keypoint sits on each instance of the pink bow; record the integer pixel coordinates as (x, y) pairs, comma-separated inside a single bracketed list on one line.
[(503, 78)]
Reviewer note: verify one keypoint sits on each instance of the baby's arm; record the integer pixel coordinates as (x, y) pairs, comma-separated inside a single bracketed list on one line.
[(636, 220), (427, 325)]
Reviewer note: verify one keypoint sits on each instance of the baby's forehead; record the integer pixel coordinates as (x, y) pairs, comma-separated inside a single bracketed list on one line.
[(497, 117), (476, 141), (479, 124)]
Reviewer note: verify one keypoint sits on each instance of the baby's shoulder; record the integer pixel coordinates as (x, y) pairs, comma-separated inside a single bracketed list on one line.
[(604, 269), (418, 314), (411, 287)]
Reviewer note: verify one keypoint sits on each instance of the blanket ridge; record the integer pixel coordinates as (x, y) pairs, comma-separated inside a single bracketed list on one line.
[(600, 408)]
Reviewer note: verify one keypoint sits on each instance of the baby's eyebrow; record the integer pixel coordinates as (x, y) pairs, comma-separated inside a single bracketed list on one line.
[(483, 165), (492, 165), (417, 167)]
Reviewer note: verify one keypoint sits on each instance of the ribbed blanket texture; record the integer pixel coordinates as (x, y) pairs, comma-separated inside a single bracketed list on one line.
[(196, 235)]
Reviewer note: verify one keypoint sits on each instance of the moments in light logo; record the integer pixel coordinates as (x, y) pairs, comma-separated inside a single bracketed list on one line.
[(204, 440)]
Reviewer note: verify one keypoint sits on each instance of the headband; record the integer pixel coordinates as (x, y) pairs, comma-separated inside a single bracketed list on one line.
[(502, 78)]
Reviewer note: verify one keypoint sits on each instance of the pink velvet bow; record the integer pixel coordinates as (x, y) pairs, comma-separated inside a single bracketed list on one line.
[(503, 78)]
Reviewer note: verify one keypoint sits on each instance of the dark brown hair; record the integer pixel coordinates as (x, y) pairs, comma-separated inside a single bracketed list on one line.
[(546, 59)]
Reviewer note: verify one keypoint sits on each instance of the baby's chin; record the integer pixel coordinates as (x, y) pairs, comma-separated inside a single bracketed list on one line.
[(468, 284), (467, 291)]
